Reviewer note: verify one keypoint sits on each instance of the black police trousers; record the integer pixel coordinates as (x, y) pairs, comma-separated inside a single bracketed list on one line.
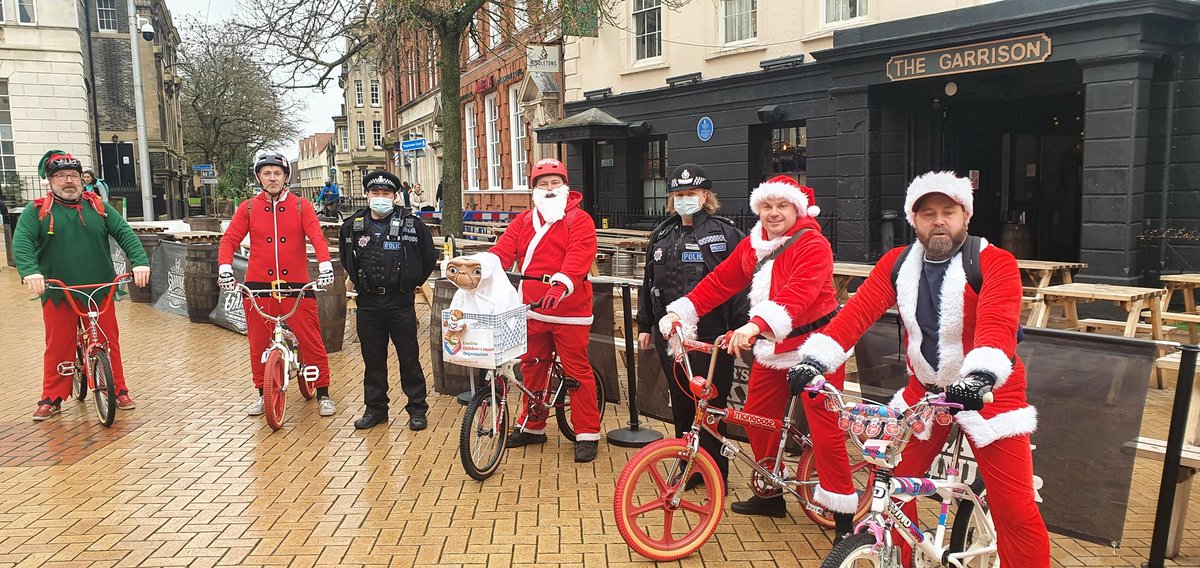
[(380, 317), (683, 405)]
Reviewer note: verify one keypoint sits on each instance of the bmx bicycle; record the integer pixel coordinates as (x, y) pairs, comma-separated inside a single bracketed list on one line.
[(885, 432), (282, 358), (92, 368), (661, 519)]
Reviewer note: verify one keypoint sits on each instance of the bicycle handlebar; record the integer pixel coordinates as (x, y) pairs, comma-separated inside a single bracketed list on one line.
[(56, 284), (820, 385), (251, 294)]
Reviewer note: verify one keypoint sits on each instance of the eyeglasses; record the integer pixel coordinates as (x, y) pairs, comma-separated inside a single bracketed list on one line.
[(65, 177)]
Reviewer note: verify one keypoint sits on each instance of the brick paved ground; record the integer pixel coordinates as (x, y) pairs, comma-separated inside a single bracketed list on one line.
[(188, 479)]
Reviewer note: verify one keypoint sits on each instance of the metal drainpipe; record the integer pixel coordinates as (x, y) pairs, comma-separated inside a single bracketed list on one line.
[(1164, 200), (87, 26)]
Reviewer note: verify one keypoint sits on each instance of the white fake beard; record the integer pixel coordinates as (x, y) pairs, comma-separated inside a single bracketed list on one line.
[(552, 208)]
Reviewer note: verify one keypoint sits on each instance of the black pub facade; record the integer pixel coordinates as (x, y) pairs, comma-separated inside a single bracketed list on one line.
[(1078, 121)]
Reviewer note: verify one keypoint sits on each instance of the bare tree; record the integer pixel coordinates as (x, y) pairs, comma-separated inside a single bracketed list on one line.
[(307, 41)]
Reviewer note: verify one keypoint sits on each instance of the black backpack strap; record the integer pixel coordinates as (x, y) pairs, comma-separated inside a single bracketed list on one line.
[(970, 262), (899, 262), (775, 253)]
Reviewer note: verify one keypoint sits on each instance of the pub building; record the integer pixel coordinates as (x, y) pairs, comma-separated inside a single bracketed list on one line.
[(1077, 120)]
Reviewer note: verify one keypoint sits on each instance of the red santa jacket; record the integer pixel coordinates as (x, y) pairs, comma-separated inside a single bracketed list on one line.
[(277, 231), (789, 292), (560, 252), (977, 333)]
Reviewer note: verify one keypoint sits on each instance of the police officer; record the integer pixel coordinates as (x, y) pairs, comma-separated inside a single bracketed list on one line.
[(387, 252), (683, 250)]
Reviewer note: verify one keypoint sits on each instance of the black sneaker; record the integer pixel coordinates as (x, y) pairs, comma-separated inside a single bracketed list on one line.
[(843, 526), (417, 422), (370, 420), (767, 507), (585, 450), (520, 438)]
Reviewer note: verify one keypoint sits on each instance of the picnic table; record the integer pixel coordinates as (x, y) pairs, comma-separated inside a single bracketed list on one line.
[(1131, 299), (1042, 273), (1185, 284), (844, 274), (624, 233)]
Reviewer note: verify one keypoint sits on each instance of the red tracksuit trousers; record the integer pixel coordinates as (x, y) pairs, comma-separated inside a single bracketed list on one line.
[(767, 395), (304, 323), (1007, 469), (61, 324), (570, 342)]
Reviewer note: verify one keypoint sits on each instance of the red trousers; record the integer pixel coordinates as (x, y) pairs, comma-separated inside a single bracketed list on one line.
[(304, 323), (1007, 469), (570, 342), (61, 324), (767, 395)]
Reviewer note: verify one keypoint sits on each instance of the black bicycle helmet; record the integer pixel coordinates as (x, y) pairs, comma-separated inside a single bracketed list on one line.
[(271, 159)]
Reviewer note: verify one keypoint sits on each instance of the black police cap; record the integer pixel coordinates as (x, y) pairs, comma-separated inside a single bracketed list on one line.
[(380, 179), (689, 176)]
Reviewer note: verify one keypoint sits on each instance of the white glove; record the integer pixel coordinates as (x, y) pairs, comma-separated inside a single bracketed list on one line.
[(325, 274), (225, 278), (666, 323)]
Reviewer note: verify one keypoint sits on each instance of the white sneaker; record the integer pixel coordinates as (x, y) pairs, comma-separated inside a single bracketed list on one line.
[(255, 408), (325, 407)]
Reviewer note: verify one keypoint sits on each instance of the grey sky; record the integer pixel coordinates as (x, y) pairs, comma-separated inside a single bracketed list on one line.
[(321, 107)]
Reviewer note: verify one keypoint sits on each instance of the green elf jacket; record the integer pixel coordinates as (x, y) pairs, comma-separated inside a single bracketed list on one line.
[(70, 243)]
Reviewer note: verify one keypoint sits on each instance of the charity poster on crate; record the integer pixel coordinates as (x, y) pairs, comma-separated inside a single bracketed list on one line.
[(482, 341)]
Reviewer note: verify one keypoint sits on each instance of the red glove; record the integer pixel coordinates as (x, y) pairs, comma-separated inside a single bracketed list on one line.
[(553, 296)]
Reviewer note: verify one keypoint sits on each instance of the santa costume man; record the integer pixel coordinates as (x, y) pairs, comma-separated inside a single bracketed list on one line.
[(788, 266), (554, 245), (959, 341)]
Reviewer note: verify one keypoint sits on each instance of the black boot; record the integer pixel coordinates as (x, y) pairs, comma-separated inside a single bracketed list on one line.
[(843, 526), (767, 507)]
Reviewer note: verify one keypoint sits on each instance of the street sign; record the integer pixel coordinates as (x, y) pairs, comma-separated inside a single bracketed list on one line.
[(414, 144), (202, 167), (208, 181)]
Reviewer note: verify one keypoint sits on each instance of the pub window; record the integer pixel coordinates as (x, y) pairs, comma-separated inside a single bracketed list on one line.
[(654, 176), (491, 109), (106, 15), (517, 131), (788, 152), (647, 21), (842, 10), (740, 20), (472, 147)]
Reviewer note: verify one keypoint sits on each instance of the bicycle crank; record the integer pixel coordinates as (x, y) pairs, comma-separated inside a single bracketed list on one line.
[(769, 486)]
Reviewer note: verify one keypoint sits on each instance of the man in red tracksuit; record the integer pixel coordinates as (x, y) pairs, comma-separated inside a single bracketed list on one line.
[(277, 222), (788, 265), (959, 342), (554, 245)]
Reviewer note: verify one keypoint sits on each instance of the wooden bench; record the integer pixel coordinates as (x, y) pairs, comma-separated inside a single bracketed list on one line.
[(1089, 324), (1189, 463)]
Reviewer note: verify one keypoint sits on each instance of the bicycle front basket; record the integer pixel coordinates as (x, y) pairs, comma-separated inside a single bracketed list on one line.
[(483, 341)]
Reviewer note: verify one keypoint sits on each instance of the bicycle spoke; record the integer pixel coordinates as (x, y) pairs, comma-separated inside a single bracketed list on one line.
[(659, 483), (703, 510), (668, 523), (660, 503)]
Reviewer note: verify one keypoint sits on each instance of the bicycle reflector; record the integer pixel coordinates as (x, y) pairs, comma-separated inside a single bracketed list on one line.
[(310, 373)]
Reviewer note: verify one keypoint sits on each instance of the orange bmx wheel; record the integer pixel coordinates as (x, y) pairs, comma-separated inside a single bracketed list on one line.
[(274, 398)]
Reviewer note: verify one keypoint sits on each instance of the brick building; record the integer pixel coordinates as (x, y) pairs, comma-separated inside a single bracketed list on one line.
[(412, 109)]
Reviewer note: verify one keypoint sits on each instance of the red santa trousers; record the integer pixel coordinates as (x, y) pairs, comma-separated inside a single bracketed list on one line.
[(767, 395), (1007, 469), (304, 323), (570, 342), (61, 324)]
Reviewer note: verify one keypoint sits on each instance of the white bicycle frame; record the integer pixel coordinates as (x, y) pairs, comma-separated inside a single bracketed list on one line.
[(281, 336)]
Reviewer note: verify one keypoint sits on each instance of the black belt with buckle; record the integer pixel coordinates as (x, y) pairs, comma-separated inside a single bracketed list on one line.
[(382, 290), (545, 278), (815, 325)]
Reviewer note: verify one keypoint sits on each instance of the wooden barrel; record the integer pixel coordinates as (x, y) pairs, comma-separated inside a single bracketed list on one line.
[(448, 378), (200, 280), (332, 232), (1018, 240), (204, 224), (331, 307), (150, 243)]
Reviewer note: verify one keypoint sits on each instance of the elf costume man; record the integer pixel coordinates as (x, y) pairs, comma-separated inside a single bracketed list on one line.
[(959, 342), (788, 266), (64, 236), (554, 245)]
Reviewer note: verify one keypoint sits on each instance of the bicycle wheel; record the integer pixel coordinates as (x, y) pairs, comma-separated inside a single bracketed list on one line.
[(853, 552), (105, 399), (647, 521), (971, 530), (861, 473), (274, 398), (484, 431), (79, 377), (562, 405), (307, 390)]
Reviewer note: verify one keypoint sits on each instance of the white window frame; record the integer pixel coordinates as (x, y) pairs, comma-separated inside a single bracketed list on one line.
[(726, 16), (518, 133), (491, 118), (471, 128), (472, 44), (377, 134), (825, 21), (2, 13), (495, 35), (362, 135), (638, 37), (32, 12), (345, 135), (521, 14), (358, 93), (101, 12), (10, 138), (374, 92)]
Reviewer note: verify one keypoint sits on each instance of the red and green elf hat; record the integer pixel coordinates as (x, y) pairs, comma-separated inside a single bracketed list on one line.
[(55, 160)]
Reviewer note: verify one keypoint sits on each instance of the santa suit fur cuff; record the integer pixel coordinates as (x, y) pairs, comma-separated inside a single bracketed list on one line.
[(988, 360), (984, 431), (686, 310), (777, 318), (836, 502), (565, 280), (824, 350)]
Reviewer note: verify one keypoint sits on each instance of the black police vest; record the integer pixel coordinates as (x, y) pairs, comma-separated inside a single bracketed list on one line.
[(383, 260), (678, 264)]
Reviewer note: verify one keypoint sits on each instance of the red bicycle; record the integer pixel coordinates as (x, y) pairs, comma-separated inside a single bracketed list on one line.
[(92, 368), (281, 359)]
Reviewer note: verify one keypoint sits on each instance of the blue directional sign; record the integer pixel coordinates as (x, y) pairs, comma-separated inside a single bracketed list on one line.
[(413, 145), (202, 167), (704, 128)]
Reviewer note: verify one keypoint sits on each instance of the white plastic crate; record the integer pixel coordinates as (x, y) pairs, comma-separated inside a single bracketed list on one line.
[(483, 341)]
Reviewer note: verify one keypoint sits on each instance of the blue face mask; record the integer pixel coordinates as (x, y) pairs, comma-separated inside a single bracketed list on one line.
[(687, 205), (382, 205)]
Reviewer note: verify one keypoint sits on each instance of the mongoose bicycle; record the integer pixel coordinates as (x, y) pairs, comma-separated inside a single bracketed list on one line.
[(92, 367)]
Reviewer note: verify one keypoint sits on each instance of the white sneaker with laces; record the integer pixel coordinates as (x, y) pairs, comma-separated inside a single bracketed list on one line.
[(325, 407), (255, 408)]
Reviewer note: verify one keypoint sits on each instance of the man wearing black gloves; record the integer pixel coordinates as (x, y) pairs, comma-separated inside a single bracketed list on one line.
[(387, 252)]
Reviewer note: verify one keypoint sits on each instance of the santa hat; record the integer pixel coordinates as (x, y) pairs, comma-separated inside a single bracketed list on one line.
[(802, 197), (945, 183)]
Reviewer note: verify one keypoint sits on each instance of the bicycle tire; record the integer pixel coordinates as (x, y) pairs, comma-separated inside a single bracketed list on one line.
[(562, 405), (274, 398), (806, 471), (963, 529), (307, 390), (480, 425), (849, 551), (644, 466), (79, 385), (105, 399)]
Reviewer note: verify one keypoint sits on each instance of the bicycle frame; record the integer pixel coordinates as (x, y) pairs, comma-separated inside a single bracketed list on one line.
[(282, 338), (506, 372), (91, 339)]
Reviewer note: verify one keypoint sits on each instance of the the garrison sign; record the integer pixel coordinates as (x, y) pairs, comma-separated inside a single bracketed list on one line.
[(1024, 50)]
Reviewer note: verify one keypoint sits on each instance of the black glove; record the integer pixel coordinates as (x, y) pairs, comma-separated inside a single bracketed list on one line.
[(969, 390), (800, 375), (226, 281)]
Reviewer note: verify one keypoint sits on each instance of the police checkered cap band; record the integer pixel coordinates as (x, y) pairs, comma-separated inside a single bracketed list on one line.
[(381, 181)]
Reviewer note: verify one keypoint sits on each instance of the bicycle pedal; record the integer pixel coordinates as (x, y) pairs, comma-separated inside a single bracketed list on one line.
[(310, 373), (66, 368), (571, 383)]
